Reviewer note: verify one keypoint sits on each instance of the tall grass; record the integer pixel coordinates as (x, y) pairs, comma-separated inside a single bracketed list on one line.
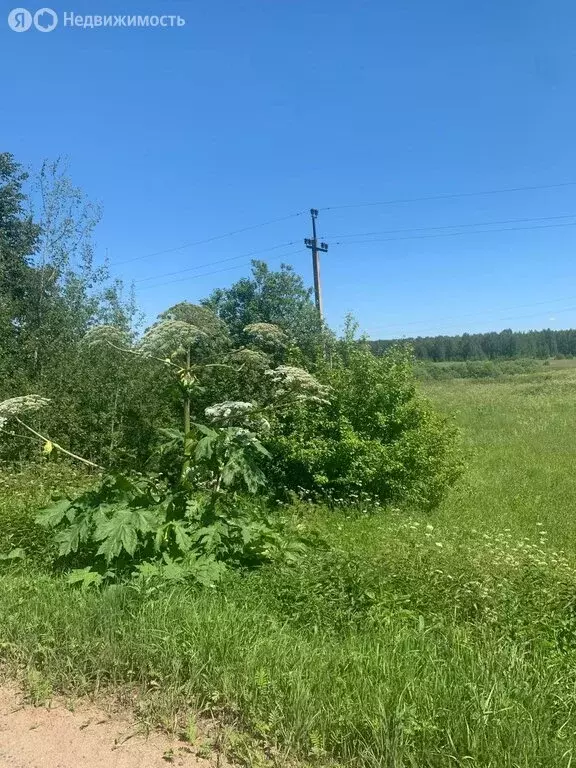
[(400, 694), (522, 454)]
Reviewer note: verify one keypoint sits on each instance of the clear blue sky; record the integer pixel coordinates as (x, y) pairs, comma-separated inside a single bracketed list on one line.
[(262, 108)]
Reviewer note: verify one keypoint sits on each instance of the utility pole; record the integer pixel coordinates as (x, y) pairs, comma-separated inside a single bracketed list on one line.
[(316, 248)]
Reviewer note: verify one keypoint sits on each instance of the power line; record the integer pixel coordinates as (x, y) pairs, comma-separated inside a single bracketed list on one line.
[(217, 271), (234, 232), (457, 226), (439, 231), (449, 196), (455, 234), (208, 239), (359, 242), (212, 263)]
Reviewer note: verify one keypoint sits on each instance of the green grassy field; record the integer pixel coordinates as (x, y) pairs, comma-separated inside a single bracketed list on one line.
[(521, 440), (416, 641)]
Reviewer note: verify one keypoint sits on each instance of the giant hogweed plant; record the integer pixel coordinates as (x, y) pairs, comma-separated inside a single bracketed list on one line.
[(201, 515)]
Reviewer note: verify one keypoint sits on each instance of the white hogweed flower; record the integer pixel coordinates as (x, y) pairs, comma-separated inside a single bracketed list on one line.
[(106, 334), (228, 409), (267, 334), (311, 399), (236, 413), (16, 406), (298, 383), (250, 357), (170, 337)]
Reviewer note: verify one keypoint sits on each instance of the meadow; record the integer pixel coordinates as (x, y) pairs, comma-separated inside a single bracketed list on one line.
[(519, 434), (410, 640)]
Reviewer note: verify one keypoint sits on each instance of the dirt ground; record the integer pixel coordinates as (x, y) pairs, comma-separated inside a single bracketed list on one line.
[(87, 737)]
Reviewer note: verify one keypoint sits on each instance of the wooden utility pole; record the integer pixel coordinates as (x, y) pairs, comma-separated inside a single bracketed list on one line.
[(316, 248)]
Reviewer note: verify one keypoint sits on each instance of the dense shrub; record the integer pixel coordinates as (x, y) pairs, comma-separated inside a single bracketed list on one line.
[(376, 437)]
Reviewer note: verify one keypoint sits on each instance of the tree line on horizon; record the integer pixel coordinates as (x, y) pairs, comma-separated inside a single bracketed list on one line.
[(506, 344)]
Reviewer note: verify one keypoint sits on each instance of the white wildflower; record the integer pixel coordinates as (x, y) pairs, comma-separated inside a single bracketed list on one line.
[(106, 334), (267, 334), (298, 383), (170, 337), (15, 406), (250, 357), (228, 410), (236, 413), (310, 399)]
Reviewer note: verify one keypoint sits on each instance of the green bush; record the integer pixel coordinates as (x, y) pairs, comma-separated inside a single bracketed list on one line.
[(377, 437)]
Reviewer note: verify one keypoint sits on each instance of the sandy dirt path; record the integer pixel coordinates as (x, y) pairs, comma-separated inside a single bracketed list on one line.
[(88, 737)]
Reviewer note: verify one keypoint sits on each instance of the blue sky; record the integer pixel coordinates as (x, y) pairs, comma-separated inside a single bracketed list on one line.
[(260, 109)]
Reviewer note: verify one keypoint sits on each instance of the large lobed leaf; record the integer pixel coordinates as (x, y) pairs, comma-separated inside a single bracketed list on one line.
[(121, 531)]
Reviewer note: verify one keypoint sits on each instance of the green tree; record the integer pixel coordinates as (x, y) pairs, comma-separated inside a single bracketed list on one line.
[(19, 237), (51, 292), (276, 297)]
